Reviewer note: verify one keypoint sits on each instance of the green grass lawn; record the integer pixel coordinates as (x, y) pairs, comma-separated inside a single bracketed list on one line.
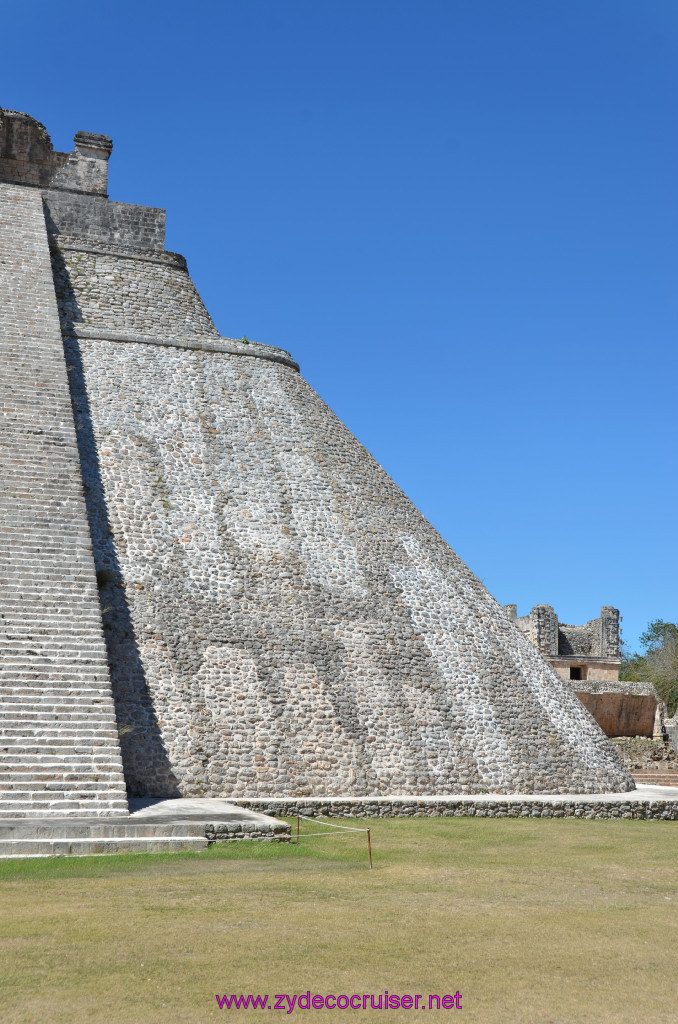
[(532, 921)]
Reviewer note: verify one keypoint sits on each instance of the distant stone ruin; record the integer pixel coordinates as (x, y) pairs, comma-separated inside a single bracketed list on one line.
[(589, 651), (590, 657), (208, 586)]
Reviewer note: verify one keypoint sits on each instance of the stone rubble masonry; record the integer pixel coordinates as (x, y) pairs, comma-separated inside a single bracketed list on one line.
[(652, 809), (108, 291), (59, 749), (289, 622), (279, 618)]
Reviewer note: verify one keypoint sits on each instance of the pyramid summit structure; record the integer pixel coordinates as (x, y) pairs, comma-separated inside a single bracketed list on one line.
[(209, 587)]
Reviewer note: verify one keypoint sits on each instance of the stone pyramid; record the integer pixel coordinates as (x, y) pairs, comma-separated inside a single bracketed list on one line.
[(278, 618)]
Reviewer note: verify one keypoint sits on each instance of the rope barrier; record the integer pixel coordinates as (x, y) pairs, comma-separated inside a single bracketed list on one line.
[(345, 828)]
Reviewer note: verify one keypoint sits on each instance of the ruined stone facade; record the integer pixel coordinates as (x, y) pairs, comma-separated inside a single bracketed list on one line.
[(589, 656), (279, 619), (589, 651)]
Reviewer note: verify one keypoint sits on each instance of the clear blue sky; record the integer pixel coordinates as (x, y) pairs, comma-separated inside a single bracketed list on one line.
[(461, 219)]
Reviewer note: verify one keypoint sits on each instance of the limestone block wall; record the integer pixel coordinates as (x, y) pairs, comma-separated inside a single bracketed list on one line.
[(94, 219), (590, 668), (280, 619), (622, 714), (621, 708)]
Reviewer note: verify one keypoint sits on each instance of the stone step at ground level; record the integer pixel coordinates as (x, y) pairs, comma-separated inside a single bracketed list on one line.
[(70, 847), (154, 826)]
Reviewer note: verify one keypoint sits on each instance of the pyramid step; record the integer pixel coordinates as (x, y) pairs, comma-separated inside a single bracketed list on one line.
[(49, 693), (84, 726), (74, 809), (55, 720), (29, 775), (54, 713), (56, 746), (90, 791), (86, 804), (83, 709), (45, 743), (12, 734), (18, 692), (33, 648), (85, 713), (42, 699), (78, 628), (29, 792), (28, 799), (652, 778), (9, 713), (97, 829), (52, 667), (50, 657), (105, 735), (63, 761), (60, 783)]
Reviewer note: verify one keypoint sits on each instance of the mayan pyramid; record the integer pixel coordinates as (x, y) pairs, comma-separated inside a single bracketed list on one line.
[(207, 583)]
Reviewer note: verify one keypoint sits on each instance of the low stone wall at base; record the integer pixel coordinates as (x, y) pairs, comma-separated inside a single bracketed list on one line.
[(649, 810), (242, 831)]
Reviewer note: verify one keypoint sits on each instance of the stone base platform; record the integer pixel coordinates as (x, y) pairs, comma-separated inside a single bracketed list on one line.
[(153, 826), (161, 826), (652, 803)]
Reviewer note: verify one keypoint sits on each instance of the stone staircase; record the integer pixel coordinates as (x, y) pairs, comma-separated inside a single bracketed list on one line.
[(657, 777), (59, 748)]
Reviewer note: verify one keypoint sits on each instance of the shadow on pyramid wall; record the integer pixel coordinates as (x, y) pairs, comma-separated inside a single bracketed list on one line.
[(145, 759)]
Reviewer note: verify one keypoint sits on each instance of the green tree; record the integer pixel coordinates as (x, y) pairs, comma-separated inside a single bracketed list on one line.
[(658, 664)]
